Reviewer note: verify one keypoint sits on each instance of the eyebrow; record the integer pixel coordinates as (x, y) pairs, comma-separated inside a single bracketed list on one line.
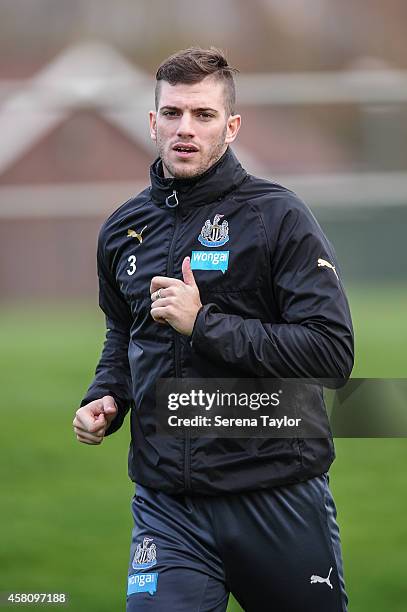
[(194, 110)]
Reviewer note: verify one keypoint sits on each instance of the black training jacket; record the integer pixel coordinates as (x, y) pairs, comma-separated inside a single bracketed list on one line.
[(273, 313)]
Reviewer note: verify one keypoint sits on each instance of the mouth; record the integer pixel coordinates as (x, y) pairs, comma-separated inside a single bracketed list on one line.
[(184, 150)]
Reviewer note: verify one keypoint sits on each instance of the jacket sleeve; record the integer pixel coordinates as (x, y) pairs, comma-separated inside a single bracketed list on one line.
[(112, 376), (313, 337)]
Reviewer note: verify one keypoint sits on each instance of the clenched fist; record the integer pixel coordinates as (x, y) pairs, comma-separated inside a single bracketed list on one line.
[(174, 301), (91, 421)]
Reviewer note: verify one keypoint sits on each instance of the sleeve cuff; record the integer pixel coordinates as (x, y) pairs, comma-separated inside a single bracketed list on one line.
[(198, 331)]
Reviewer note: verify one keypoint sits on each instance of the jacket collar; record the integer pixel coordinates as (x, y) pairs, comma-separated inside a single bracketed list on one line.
[(221, 178)]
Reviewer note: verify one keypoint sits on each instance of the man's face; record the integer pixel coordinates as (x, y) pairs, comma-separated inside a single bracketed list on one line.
[(191, 128)]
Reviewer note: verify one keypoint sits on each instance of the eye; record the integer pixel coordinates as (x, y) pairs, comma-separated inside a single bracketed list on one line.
[(170, 113), (205, 115)]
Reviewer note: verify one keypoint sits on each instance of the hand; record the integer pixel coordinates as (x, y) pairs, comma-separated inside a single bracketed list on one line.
[(92, 420), (177, 302)]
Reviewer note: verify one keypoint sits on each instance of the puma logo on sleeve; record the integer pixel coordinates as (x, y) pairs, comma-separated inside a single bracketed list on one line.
[(322, 263), (314, 579)]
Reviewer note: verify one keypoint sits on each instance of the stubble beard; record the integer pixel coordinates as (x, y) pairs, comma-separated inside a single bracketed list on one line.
[(214, 153)]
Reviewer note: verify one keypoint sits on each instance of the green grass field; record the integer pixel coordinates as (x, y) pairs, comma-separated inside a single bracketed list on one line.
[(65, 507)]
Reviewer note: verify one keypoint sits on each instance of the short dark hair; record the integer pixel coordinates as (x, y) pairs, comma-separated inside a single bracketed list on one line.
[(192, 65)]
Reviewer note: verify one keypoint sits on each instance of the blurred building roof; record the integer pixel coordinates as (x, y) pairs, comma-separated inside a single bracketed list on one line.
[(81, 121), (95, 78)]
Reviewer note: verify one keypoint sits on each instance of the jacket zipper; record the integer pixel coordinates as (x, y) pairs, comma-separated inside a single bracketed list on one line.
[(177, 350)]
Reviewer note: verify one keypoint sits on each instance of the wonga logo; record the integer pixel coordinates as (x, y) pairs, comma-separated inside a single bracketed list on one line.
[(210, 260), (142, 583)]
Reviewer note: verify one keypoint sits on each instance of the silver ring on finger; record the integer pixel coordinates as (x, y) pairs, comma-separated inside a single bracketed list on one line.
[(158, 294)]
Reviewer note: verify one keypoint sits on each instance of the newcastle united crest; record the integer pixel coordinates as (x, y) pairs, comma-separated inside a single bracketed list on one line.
[(214, 234), (145, 555)]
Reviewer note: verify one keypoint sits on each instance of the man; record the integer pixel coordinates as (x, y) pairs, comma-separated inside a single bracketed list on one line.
[(251, 516)]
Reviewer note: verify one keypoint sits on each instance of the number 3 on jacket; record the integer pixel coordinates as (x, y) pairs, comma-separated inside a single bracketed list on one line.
[(132, 261)]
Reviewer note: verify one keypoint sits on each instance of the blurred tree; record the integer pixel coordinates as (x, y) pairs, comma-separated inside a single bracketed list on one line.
[(262, 34)]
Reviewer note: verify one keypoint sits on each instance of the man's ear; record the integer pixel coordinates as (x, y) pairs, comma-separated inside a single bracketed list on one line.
[(153, 125), (233, 127)]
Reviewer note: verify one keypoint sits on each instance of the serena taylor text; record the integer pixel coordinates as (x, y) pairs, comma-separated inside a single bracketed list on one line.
[(219, 421)]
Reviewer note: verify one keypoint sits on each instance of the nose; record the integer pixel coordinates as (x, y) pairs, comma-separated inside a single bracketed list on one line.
[(185, 126)]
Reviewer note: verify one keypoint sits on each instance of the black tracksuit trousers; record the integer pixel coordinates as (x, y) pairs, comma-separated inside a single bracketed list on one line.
[(276, 550)]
